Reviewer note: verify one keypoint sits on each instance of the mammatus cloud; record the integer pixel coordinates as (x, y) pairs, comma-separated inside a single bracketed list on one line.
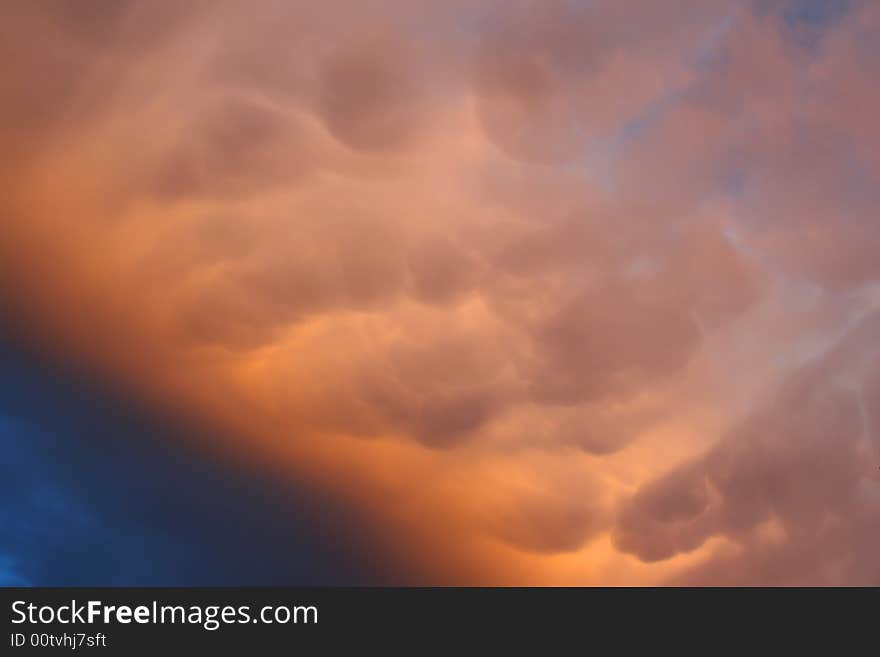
[(793, 486), (556, 292)]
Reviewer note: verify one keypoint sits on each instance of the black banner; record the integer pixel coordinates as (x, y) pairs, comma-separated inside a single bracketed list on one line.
[(128, 621)]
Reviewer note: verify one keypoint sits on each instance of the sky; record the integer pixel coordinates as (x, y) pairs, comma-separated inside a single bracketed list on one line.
[(492, 292), (98, 492)]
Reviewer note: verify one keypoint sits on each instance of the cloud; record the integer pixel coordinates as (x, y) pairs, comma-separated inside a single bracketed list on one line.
[(445, 259), (785, 485)]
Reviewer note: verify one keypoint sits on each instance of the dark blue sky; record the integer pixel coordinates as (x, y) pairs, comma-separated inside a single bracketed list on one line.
[(93, 492)]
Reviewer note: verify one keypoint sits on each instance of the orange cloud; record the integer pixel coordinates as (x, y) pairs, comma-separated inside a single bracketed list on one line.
[(552, 294)]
